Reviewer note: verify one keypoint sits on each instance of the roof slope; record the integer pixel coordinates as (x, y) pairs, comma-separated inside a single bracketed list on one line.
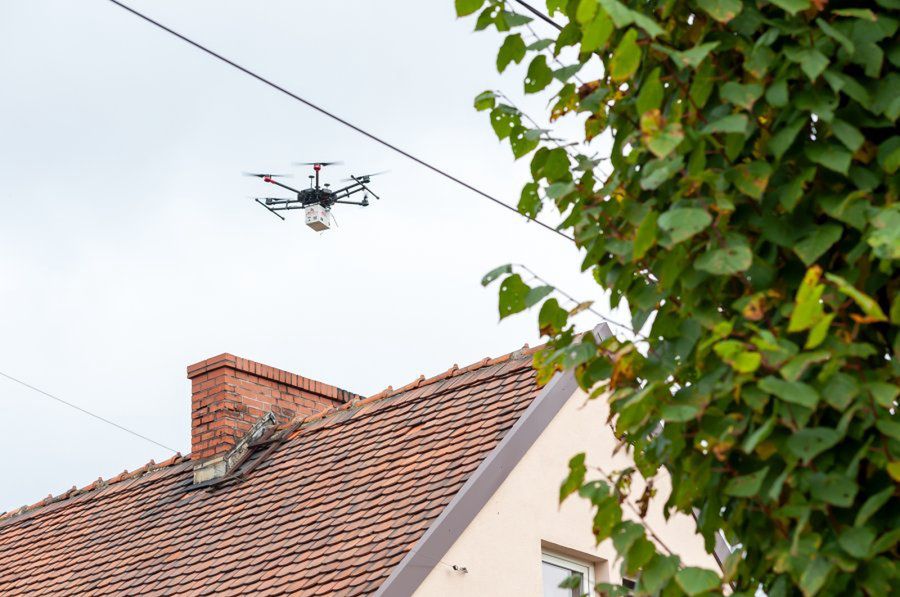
[(330, 511)]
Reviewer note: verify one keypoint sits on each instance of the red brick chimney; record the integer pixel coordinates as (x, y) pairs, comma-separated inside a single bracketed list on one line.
[(229, 394)]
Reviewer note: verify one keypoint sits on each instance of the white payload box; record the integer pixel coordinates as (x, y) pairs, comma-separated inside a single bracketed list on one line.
[(318, 218)]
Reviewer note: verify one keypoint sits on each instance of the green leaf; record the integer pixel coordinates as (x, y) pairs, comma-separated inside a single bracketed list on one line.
[(872, 505), (496, 273), (575, 479), (503, 119), (467, 7), (694, 581), (536, 295), (889, 428), (679, 413), (736, 354), (883, 393), (860, 13), (556, 165), (812, 62), (596, 33), (512, 295), (552, 318), (626, 58), (740, 95), (792, 6), (721, 10), (747, 485), (657, 573), (661, 138), (512, 50), (817, 242), (831, 156), (625, 534), (681, 223), (836, 35), (808, 443), (752, 179), (833, 488), (539, 74), (585, 11), (623, 16), (521, 143), (734, 123), (795, 392), (808, 308), (607, 516), (794, 369), (777, 93), (693, 57), (759, 435), (785, 137), (848, 134), (814, 576), (840, 390), (485, 101), (702, 85), (868, 305), (889, 154), (644, 236), (725, 262), (650, 95), (656, 172), (529, 201), (818, 332)]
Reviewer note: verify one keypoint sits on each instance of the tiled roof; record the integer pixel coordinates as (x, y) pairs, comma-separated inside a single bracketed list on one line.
[(329, 512)]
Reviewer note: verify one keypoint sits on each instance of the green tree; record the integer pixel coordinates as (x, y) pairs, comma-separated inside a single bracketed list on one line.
[(751, 224)]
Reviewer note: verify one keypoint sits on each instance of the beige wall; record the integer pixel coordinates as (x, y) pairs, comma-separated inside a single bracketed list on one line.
[(501, 549)]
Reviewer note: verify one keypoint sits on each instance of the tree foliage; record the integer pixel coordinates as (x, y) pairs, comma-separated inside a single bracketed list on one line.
[(751, 224)]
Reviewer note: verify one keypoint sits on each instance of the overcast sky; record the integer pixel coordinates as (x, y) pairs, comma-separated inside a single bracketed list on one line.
[(129, 248)]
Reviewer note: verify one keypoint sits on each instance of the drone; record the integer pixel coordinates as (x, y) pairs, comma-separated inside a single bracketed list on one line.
[(316, 201)]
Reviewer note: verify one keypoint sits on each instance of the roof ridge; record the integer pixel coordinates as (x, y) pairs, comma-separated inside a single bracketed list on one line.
[(419, 382), (288, 429), (99, 483)]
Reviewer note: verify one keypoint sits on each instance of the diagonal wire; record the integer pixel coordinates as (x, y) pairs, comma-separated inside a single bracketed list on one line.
[(87, 412), (539, 14), (577, 302), (337, 118)]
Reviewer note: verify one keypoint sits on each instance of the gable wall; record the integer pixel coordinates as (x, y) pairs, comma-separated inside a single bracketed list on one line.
[(501, 548)]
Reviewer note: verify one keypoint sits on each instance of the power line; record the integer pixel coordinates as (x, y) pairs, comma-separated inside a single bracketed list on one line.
[(568, 296), (87, 412), (539, 14), (333, 116)]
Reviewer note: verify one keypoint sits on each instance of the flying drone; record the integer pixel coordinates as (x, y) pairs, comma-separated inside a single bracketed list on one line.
[(316, 201)]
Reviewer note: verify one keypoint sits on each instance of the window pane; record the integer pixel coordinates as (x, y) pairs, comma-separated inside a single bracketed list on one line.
[(554, 575)]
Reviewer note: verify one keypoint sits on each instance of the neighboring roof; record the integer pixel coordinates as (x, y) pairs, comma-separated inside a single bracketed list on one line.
[(332, 510)]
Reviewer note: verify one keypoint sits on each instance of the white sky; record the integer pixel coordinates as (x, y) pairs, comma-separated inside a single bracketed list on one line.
[(129, 248)]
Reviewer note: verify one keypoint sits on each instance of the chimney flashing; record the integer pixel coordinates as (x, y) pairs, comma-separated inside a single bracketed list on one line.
[(219, 466)]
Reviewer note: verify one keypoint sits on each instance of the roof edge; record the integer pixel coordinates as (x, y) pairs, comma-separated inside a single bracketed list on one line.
[(433, 545)]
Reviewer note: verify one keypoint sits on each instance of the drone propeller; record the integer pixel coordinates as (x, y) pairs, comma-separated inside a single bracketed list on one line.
[(365, 175), (317, 163), (264, 175)]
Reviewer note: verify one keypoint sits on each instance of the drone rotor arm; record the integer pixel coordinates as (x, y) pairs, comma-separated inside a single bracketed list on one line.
[(359, 181), (270, 209)]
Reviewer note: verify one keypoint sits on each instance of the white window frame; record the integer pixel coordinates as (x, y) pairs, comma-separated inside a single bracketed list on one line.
[(585, 568)]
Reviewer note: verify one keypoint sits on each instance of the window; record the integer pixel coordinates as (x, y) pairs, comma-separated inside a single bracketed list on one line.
[(556, 569)]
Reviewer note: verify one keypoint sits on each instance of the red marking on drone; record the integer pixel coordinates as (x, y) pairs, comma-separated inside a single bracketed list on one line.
[(267, 179), (317, 167)]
